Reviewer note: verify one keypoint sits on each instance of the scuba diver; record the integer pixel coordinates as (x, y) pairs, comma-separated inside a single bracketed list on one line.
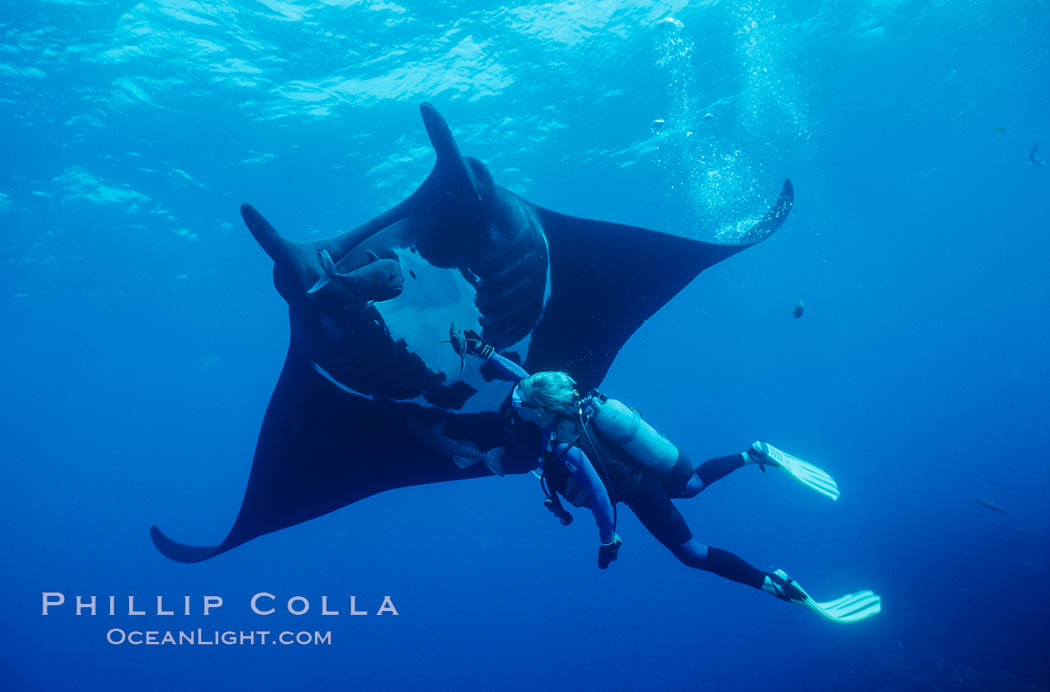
[(597, 452)]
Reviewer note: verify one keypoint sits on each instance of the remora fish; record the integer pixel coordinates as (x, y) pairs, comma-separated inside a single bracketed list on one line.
[(990, 504)]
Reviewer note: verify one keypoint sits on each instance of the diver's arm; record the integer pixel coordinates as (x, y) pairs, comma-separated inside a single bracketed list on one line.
[(583, 471), (471, 342), (508, 369)]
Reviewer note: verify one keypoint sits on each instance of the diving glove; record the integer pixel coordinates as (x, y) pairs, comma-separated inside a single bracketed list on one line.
[(609, 552), (469, 341), (557, 510), (475, 346)]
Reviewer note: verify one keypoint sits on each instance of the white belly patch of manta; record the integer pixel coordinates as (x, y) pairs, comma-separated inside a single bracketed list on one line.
[(433, 298)]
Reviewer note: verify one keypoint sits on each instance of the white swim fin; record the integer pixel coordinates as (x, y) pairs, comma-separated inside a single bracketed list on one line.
[(763, 454), (852, 607)]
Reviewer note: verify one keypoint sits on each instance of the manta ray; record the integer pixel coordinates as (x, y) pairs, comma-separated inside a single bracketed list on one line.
[(372, 397)]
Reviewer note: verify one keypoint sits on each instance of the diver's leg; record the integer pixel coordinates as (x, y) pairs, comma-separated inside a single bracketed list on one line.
[(735, 568), (692, 488), (721, 562), (712, 470), (651, 504)]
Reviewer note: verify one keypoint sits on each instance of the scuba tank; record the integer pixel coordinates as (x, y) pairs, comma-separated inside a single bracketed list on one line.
[(626, 427)]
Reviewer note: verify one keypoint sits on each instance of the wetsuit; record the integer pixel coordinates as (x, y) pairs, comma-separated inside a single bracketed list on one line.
[(624, 480), (647, 497)]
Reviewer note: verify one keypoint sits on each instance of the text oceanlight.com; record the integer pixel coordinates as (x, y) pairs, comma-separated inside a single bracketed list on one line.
[(201, 637)]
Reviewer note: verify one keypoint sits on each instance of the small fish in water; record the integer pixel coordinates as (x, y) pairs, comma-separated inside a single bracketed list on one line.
[(457, 338), (657, 126), (800, 308), (462, 452), (990, 504), (1033, 155), (1001, 129)]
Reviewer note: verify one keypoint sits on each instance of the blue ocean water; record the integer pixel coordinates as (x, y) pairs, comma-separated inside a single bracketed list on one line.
[(143, 335)]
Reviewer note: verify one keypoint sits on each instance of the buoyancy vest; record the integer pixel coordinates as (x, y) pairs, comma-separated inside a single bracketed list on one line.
[(618, 438), (617, 470)]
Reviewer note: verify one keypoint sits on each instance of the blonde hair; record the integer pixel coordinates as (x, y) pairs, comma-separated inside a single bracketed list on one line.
[(553, 390)]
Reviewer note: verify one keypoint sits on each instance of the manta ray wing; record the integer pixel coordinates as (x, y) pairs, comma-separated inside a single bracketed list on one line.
[(320, 449), (607, 279)]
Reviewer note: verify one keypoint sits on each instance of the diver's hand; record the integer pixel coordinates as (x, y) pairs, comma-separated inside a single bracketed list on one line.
[(475, 346), (468, 341), (609, 552)]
